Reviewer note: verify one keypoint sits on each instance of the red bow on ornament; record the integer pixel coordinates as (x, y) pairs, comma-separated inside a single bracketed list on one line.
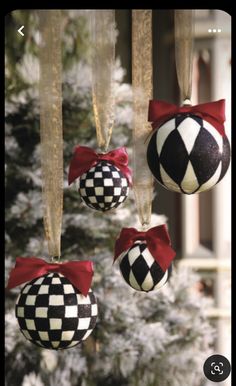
[(79, 273), (158, 243), (213, 112), (85, 158)]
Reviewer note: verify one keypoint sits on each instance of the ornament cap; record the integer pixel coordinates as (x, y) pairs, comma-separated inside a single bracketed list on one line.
[(55, 259), (145, 226), (187, 102)]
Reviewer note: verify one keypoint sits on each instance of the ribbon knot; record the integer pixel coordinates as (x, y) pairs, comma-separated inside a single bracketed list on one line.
[(184, 109), (158, 243), (85, 158), (101, 156), (213, 112), (140, 236), (53, 267), (79, 273)]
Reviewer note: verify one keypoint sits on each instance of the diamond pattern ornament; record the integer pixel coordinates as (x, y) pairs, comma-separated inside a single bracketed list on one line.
[(103, 187), (140, 270), (186, 154), (53, 314)]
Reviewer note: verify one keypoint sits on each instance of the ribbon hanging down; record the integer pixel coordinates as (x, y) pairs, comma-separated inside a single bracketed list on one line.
[(103, 66), (142, 93), (85, 158), (79, 273), (212, 112), (51, 127), (184, 51), (158, 243)]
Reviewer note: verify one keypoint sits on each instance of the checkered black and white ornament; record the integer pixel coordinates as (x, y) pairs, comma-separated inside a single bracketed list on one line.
[(103, 187), (140, 270), (53, 314), (188, 155)]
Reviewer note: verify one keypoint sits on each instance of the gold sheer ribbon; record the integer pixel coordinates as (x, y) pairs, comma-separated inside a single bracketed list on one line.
[(51, 127), (184, 52), (142, 93), (103, 66)]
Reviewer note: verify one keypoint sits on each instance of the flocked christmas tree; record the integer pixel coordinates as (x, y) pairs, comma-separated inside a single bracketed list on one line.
[(155, 339)]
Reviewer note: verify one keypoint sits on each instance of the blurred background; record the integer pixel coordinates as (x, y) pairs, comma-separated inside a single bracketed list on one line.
[(154, 339)]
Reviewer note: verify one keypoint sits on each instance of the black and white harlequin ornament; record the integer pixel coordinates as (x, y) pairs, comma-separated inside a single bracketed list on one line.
[(188, 155), (103, 187), (53, 314), (140, 270)]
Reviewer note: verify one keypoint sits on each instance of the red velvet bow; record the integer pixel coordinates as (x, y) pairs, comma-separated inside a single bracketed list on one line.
[(213, 112), (158, 243), (85, 158), (79, 273)]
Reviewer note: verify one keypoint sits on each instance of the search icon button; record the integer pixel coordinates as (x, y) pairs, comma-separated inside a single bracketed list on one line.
[(217, 368)]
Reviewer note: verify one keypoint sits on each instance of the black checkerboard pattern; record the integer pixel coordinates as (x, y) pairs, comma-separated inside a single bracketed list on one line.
[(188, 155), (53, 314), (140, 270), (103, 187)]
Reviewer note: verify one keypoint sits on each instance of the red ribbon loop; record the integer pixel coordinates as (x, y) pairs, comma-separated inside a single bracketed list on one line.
[(213, 112), (79, 273), (85, 158), (158, 243)]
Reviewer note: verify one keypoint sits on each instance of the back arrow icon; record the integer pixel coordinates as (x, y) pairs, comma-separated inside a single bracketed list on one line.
[(20, 30)]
